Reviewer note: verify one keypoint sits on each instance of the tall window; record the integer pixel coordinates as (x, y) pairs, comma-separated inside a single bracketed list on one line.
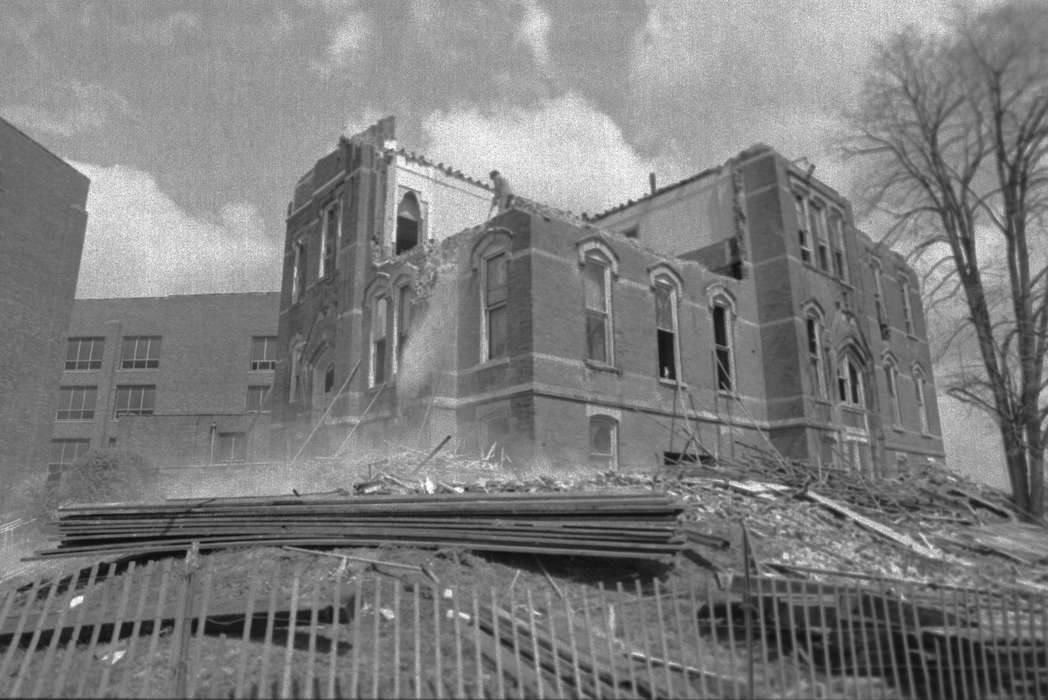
[(76, 403), (816, 363), (84, 353), (801, 207), (263, 352), (295, 388), (257, 398), (596, 275), (140, 352), (379, 314), (837, 240), (496, 434), (907, 310), (298, 272), (891, 381), (495, 311), (329, 240), (878, 298), (402, 322), (920, 390), (603, 442), (850, 389), (817, 222), (66, 451), (135, 400), (231, 447), (722, 342), (409, 220), (666, 329)]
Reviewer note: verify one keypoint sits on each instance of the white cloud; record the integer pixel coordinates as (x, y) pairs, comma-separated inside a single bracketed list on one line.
[(140, 242), (534, 32), (563, 151), (77, 108), (346, 43)]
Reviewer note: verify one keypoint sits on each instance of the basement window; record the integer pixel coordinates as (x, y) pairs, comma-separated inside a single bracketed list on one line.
[(231, 447), (84, 353), (409, 223), (140, 352), (137, 400), (76, 403), (603, 442)]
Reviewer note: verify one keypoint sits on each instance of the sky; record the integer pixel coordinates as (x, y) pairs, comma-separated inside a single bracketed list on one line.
[(194, 119)]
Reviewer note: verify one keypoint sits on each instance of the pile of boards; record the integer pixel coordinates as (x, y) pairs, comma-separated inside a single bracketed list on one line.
[(638, 525)]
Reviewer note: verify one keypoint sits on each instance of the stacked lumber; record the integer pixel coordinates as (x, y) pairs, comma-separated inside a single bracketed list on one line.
[(642, 525)]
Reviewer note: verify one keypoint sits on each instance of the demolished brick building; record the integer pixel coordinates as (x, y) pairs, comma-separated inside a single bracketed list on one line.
[(733, 308)]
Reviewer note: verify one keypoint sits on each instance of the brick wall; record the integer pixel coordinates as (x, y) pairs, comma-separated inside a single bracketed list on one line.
[(42, 221)]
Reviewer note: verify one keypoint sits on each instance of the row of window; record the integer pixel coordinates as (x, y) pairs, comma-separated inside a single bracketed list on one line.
[(78, 402), (879, 299), (143, 352), (820, 231), (229, 447), (849, 373)]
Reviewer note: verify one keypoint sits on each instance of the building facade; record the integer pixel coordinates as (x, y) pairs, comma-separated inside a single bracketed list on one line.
[(737, 308), (42, 223), (181, 380)]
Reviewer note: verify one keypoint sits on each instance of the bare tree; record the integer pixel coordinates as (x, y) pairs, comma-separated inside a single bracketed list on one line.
[(952, 132)]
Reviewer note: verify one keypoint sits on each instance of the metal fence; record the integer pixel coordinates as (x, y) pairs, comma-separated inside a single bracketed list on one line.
[(173, 628)]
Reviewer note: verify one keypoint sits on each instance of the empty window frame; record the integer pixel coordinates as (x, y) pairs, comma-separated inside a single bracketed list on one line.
[(495, 324), (722, 345), (402, 323), (331, 226), (907, 309), (329, 379), (135, 400), (257, 398), (76, 403), (850, 389), (891, 382), (231, 447), (816, 361), (295, 388), (596, 276), (263, 352), (298, 272), (409, 223), (666, 329), (800, 204), (603, 442), (84, 353), (495, 437), (140, 352), (67, 450), (379, 315), (878, 294), (817, 224), (921, 394), (840, 267)]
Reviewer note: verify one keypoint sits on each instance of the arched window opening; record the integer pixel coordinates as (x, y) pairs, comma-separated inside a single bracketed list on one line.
[(409, 223), (666, 329), (891, 381), (603, 442), (379, 314), (596, 280), (920, 391), (850, 388), (816, 357), (722, 345)]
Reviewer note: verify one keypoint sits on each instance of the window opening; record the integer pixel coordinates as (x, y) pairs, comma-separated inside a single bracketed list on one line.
[(409, 220), (666, 330), (76, 403), (84, 353), (595, 281), (495, 295), (140, 352), (722, 347)]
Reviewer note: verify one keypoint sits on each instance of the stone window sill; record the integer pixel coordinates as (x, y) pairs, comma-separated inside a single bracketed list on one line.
[(603, 367)]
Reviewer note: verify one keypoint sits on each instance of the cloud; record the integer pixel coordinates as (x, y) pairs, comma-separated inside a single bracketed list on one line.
[(140, 242), (346, 42), (534, 32), (75, 109), (562, 151)]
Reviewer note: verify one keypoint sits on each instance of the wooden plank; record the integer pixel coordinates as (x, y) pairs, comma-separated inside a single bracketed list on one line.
[(874, 526)]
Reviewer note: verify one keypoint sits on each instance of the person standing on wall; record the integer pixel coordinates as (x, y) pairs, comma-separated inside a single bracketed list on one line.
[(503, 193)]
